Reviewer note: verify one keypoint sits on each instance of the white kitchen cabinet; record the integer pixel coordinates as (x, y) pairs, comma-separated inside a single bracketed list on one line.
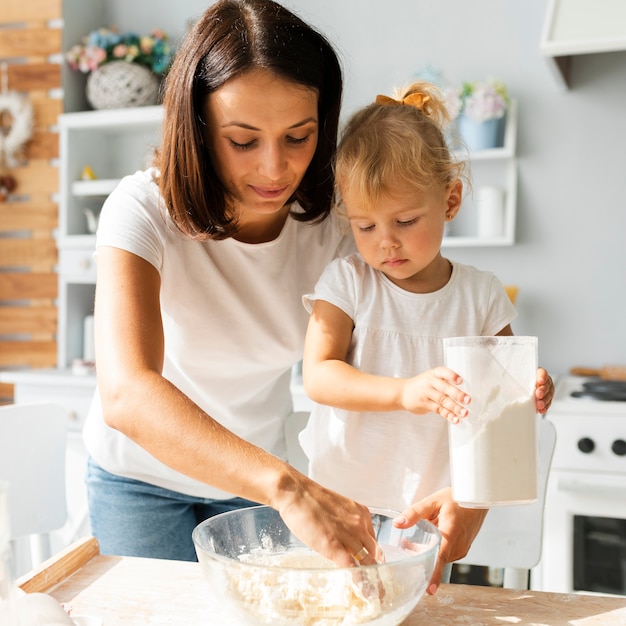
[(575, 27), (497, 168)]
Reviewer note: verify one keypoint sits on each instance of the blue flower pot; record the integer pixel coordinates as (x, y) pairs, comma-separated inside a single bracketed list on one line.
[(480, 135)]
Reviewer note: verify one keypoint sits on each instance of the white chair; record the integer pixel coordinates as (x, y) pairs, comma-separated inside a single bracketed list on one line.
[(511, 536), (295, 455), (32, 461)]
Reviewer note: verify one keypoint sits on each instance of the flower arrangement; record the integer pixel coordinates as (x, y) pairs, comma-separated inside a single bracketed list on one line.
[(106, 44), (480, 101)]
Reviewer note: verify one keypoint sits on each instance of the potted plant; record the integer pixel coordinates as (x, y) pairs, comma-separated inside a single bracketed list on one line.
[(479, 109), (124, 69)]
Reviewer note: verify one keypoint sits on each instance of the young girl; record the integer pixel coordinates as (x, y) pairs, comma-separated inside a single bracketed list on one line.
[(378, 317)]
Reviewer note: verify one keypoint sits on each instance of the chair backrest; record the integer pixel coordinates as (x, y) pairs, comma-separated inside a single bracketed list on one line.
[(511, 536), (32, 461), (295, 455)]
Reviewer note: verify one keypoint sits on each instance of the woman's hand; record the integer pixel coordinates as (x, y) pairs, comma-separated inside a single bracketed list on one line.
[(544, 391), (458, 528), (436, 391), (336, 527)]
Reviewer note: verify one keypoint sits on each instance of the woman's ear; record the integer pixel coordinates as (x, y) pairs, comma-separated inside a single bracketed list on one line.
[(454, 197)]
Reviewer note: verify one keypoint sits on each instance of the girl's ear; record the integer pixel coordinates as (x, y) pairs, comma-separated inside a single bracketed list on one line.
[(453, 199)]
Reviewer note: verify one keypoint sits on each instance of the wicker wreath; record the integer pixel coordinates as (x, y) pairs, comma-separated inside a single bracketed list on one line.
[(120, 84), (14, 137)]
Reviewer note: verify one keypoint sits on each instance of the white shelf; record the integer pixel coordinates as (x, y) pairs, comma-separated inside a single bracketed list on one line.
[(77, 242), (113, 120), (87, 188), (507, 151), (475, 242), (494, 167)]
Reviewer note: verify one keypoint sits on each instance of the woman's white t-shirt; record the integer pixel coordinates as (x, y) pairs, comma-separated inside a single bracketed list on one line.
[(392, 459), (233, 323)]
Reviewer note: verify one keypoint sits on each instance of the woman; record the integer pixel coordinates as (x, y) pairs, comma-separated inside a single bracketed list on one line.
[(202, 262)]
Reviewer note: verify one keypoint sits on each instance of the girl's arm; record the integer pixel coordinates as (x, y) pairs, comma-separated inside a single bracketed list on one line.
[(328, 379), (544, 387)]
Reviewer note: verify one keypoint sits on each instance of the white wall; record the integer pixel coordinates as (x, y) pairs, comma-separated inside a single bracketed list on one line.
[(569, 259)]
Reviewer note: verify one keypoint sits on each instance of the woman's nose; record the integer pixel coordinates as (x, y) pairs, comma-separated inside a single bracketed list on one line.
[(273, 162)]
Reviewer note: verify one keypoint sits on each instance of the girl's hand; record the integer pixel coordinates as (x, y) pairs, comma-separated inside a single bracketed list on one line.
[(544, 391), (458, 528), (436, 391)]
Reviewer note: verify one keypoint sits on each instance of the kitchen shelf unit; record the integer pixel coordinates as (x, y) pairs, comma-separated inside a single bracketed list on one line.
[(496, 167), (113, 143)]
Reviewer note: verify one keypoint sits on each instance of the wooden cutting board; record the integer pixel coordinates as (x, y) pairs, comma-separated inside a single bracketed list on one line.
[(608, 372), (128, 591)]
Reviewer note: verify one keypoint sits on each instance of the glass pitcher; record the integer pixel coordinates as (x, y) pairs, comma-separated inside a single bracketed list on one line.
[(494, 450)]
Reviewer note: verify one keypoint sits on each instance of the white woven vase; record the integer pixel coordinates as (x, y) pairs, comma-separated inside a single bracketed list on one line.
[(119, 84)]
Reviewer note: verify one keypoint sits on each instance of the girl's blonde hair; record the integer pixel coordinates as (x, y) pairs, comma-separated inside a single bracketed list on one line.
[(397, 145)]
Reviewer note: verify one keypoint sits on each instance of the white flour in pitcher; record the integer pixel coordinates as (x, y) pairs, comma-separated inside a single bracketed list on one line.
[(498, 464)]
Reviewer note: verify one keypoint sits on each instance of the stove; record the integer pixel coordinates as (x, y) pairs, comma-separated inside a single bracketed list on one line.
[(591, 433), (584, 544)]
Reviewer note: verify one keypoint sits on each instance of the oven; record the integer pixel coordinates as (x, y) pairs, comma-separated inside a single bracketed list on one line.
[(584, 542)]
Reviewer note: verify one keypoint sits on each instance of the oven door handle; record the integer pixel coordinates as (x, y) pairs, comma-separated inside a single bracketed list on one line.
[(591, 487)]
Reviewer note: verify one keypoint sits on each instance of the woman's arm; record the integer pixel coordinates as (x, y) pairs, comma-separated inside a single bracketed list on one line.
[(139, 402), (328, 379)]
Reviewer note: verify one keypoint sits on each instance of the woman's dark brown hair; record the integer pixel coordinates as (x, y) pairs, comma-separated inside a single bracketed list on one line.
[(231, 37)]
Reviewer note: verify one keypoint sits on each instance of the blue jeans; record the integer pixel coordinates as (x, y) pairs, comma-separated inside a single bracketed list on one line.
[(133, 518)]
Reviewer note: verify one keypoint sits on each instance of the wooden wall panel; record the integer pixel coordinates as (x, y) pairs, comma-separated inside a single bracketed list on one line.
[(19, 216), (47, 111), (36, 178), (29, 320), (29, 76), (31, 252), (14, 11), (28, 217), (43, 145), (29, 42), (28, 353), (28, 286)]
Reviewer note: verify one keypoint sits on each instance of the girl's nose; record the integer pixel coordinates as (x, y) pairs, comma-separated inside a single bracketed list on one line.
[(272, 163), (388, 240)]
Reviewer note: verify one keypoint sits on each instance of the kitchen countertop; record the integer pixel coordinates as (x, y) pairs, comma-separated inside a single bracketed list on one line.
[(127, 591)]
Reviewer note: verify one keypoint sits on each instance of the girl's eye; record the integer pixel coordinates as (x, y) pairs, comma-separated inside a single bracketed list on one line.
[(366, 229), (407, 222), (242, 146)]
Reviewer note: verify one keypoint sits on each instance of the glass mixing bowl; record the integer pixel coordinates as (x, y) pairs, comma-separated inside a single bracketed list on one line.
[(264, 573)]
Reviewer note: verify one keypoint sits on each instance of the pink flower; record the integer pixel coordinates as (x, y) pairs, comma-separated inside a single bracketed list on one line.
[(120, 51)]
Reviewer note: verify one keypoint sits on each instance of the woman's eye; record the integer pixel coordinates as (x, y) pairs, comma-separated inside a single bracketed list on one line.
[(242, 146), (296, 141)]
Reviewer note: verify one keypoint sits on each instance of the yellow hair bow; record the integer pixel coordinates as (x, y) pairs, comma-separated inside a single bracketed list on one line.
[(417, 100)]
